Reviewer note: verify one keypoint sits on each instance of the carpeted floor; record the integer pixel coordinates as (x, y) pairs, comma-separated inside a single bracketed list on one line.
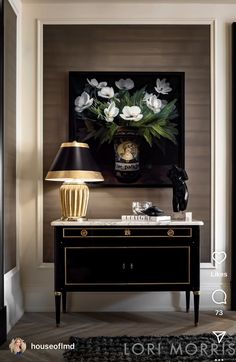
[(202, 347)]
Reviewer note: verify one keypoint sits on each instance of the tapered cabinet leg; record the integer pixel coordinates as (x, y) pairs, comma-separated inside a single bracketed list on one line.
[(64, 302), (187, 300), (196, 295), (58, 307)]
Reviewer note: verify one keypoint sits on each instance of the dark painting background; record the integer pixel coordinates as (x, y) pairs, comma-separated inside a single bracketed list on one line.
[(154, 162)]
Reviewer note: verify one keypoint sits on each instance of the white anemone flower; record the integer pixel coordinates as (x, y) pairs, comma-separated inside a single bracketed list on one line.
[(147, 96), (94, 83), (125, 84), (111, 112), (163, 87), (106, 92), (82, 102), (131, 113), (154, 104)]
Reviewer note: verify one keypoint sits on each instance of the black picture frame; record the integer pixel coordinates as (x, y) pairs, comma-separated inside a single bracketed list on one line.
[(154, 163)]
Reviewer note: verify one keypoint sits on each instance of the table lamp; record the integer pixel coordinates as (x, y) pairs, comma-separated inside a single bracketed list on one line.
[(74, 165)]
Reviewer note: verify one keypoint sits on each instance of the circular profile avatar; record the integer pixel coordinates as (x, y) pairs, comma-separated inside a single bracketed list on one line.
[(17, 346), (127, 150)]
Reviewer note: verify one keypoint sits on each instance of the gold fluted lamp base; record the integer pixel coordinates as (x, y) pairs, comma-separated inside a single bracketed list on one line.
[(74, 201), (74, 164)]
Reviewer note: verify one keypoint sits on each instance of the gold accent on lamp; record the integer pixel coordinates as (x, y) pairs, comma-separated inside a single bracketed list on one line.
[(74, 165)]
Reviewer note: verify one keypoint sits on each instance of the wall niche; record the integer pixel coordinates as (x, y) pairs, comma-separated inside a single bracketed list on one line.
[(160, 48)]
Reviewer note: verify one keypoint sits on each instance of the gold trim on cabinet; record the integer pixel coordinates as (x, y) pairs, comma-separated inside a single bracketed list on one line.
[(84, 233), (182, 283), (171, 232), (57, 294), (129, 247), (130, 236), (127, 232)]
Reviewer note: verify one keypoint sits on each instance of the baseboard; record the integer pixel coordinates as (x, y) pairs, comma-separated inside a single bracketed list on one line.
[(13, 297), (41, 299), (3, 330)]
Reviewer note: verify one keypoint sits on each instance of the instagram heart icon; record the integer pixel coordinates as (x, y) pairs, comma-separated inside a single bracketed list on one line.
[(219, 256)]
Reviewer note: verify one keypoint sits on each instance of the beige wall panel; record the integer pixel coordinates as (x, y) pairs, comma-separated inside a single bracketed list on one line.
[(136, 48)]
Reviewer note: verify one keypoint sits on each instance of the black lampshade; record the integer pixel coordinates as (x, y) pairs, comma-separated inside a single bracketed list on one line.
[(74, 162)]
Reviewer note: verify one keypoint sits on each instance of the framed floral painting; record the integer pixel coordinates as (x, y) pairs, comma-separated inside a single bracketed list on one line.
[(133, 122)]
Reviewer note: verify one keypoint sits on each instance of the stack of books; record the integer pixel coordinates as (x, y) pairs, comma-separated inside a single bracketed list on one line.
[(145, 218)]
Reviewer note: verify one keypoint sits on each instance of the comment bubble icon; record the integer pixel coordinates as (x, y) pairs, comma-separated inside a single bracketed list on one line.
[(219, 296)]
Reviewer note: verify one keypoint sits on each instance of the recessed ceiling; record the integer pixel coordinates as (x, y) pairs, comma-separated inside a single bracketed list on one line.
[(223, 2)]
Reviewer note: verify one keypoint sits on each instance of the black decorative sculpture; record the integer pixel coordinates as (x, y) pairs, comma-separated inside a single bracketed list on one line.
[(153, 211), (178, 176)]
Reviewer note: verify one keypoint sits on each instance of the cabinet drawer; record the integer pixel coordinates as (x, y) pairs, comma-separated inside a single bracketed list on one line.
[(129, 232)]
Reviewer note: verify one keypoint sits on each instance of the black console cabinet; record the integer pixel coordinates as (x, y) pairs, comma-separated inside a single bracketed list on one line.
[(126, 258)]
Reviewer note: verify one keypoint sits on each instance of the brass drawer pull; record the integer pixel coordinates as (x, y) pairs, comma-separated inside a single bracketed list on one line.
[(84, 232), (170, 232), (127, 232)]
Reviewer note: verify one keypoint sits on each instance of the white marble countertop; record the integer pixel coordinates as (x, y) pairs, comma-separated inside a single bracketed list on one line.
[(119, 222)]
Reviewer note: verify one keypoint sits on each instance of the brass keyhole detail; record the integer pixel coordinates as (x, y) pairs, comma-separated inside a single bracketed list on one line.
[(127, 232), (83, 233), (170, 232)]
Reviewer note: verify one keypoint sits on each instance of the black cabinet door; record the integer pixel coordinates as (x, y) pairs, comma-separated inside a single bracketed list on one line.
[(159, 265), (100, 266)]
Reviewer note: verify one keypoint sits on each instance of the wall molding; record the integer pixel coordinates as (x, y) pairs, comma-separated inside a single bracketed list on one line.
[(144, 21), (16, 5), (12, 287)]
